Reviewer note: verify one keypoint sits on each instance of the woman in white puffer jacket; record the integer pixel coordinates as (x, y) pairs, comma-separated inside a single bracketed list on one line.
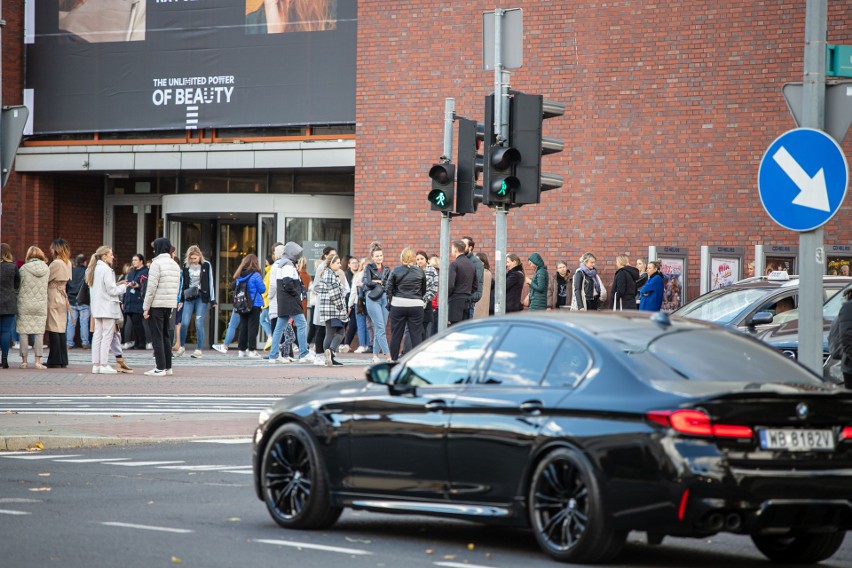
[(105, 306)]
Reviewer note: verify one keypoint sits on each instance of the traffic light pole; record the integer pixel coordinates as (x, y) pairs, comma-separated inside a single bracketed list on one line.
[(444, 253), (501, 130)]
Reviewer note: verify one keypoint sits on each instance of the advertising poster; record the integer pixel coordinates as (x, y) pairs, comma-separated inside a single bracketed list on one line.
[(723, 272), (137, 65), (774, 263), (672, 269)]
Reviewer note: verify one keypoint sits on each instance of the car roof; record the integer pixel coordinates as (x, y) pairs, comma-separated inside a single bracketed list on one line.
[(603, 322)]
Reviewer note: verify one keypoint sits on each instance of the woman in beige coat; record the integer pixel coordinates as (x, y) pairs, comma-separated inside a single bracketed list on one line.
[(57, 303), (32, 304)]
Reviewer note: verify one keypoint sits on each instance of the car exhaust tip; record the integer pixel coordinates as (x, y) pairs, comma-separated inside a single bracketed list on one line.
[(715, 522), (733, 522)]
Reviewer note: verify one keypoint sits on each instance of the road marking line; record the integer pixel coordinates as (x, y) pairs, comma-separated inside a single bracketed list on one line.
[(11, 512), (93, 460), (310, 546), (460, 565), (39, 457), (141, 464), (224, 441), (246, 472), (200, 467), (146, 527)]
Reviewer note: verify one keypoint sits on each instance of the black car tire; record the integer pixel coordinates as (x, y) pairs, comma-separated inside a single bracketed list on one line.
[(567, 511), (294, 481), (802, 549)]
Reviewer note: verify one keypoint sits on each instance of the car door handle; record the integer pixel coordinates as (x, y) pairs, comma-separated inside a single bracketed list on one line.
[(436, 406), (532, 407)]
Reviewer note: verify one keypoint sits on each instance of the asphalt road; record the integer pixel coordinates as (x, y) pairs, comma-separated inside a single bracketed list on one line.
[(193, 504)]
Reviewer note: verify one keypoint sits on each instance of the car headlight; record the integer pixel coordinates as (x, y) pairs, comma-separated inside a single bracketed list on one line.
[(264, 416)]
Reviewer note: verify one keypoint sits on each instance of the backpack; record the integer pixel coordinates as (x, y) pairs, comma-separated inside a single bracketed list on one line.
[(243, 303)]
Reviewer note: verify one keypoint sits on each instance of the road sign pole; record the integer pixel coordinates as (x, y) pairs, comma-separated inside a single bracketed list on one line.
[(444, 254), (812, 265), (501, 129)]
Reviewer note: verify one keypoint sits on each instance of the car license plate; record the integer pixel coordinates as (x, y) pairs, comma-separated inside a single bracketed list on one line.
[(797, 440)]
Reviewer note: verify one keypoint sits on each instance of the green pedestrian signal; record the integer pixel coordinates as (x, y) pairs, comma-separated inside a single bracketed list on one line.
[(443, 186)]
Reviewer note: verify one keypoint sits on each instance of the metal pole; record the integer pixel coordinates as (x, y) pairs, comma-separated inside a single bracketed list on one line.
[(500, 261), (2, 25), (444, 253), (812, 253), (501, 130)]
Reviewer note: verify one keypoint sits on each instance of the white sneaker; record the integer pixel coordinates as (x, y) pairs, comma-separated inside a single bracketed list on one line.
[(149, 346), (220, 347), (253, 355), (196, 354), (155, 373), (179, 352), (306, 359), (241, 354), (127, 345), (16, 345), (376, 359), (343, 349), (328, 360), (360, 349), (169, 372), (96, 369), (319, 361), (107, 370)]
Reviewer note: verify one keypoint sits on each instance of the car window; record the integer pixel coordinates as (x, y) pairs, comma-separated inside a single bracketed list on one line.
[(449, 360), (722, 307), (780, 306), (522, 357), (569, 365), (832, 306)]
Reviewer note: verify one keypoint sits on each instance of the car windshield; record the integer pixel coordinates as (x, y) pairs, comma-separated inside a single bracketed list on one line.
[(829, 310), (721, 306), (832, 307), (708, 355)]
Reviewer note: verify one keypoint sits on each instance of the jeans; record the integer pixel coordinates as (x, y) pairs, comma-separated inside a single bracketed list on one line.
[(6, 326), (363, 333), (231, 332), (378, 311), (199, 308), (78, 313), (264, 321), (301, 334)]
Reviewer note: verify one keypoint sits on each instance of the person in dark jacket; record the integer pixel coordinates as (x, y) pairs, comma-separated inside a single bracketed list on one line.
[(375, 280), (587, 284), (134, 298), (460, 283), (623, 285), (406, 288), (197, 296), (249, 271), (10, 283), (514, 283), (641, 279), (538, 283), (559, 287), (78, 313), (652, 291), (844, 323)]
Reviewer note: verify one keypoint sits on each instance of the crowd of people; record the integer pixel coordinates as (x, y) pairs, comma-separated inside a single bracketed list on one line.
[(306, 319)]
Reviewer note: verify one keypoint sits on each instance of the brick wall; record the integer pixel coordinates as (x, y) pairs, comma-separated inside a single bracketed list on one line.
[(669, 110)]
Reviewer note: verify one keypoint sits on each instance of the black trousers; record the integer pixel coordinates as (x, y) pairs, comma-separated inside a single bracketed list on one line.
[(158, 319), (58, 356), (249, 324), (400, 317), (138, 330), (351, 327)]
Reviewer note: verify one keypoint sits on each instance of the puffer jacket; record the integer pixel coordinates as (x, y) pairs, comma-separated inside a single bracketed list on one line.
[(254, 284), (10, 281), (163, 283), (538, 286), (104, 294), (32, 297)]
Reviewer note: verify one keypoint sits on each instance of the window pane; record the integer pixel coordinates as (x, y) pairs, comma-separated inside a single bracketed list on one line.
[(568, 366), (449, 360), (522, 357)]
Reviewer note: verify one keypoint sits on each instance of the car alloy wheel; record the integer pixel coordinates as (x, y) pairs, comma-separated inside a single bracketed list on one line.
[(567, 513), (802, 549), (294, 481)]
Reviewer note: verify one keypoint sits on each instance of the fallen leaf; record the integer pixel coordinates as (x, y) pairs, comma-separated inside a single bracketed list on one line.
[(39, 488), (44, 475), (470, 546), (358, 540), (116, 416), (449, 557), (176, 560), (234, 519), (10, 412), (430, 551), (35, 447)]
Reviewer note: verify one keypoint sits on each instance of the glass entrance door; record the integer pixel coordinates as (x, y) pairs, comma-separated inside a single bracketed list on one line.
[(236, 240)]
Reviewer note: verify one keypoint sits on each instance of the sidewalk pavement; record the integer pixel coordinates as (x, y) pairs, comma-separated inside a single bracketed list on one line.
[(214, 374)]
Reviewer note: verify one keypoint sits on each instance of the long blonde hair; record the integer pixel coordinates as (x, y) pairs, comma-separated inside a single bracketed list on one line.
[(102, 251), (193, 249)]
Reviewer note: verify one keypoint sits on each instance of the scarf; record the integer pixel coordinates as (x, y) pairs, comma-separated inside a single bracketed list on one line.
[(592, 274)]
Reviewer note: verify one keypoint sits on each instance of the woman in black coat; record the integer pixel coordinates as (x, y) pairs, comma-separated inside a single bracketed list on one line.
[(623, 285), (514, 283)]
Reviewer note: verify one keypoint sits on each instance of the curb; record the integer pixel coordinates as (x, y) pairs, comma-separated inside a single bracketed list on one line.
[(20, 443)]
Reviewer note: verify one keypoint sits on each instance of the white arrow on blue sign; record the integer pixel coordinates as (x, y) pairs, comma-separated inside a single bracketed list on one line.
[(802, 179)]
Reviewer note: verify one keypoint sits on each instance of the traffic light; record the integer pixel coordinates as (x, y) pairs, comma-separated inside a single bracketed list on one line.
[(499, 180), (470, 165), (443, 186), (525, 119)]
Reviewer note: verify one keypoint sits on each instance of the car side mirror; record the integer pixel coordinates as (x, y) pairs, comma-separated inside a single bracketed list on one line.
[(760, 318), (379, 373)]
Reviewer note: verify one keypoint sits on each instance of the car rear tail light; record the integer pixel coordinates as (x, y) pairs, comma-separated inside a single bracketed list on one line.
[(846, 433), (697, 423)]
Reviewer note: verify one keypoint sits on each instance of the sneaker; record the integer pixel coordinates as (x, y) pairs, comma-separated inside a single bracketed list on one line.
[(319, 361), (169, 372), (155, 373), (87, 347), (196, 354), (281, 359), (16, 345), (360, 349), (179, 352), (220, 347), (336, 363), (149, 346), (127, 345), (253, 355), (376, 359), (96, 369), (306, 359), (241, 354), (343, 349), (327, 357), (107, 370)]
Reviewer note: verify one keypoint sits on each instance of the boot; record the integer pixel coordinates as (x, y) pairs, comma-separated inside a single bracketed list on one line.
[(5, 363), (122, 365)]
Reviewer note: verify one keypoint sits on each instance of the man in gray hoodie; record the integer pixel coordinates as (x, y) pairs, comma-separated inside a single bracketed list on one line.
[(285, 296)]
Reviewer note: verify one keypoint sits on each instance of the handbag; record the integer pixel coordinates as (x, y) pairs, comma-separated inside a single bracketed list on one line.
[(376, 293), (603, 295), (191, 293)]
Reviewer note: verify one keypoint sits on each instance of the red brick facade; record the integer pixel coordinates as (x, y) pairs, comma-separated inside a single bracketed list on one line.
[(669, 110)]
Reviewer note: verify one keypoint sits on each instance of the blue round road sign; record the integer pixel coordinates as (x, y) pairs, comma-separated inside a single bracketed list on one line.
[(802, 179)]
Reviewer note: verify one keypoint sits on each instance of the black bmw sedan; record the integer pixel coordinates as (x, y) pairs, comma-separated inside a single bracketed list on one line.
[(581, 426)]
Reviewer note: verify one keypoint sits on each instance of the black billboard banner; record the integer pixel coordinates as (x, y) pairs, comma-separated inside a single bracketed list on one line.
[(132, 65)]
